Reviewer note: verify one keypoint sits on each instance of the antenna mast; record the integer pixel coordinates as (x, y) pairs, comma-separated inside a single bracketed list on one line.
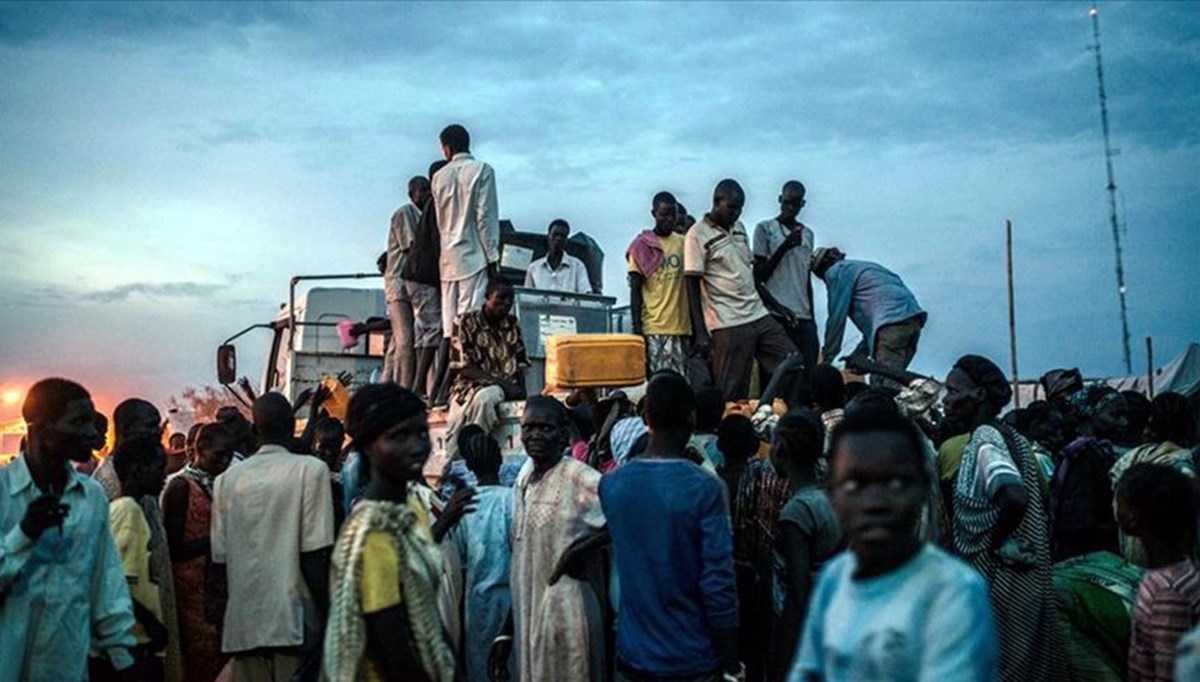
[(1109, 153)]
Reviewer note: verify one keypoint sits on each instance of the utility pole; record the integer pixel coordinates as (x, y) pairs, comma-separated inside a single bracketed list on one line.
[(1112, 190)]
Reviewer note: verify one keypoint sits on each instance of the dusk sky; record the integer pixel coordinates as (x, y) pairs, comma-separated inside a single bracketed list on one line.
[(166, 168)]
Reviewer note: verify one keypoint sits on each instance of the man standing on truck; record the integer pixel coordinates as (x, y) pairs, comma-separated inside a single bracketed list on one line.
[(557, 271), (464, 197), (414, 307), (783, 248), (489, 355), (657, 300), (877, 301), (728, 317)]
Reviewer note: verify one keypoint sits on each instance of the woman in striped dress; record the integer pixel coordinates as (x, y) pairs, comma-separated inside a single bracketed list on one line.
[(1000, 523)]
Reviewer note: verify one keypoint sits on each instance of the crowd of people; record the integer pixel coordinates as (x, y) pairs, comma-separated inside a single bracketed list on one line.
[(829, 530)]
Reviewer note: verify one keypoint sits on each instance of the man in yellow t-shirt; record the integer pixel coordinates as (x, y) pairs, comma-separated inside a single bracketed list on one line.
[(657, 298), (141, 467)]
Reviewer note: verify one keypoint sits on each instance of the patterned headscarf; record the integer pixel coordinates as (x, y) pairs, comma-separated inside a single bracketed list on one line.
[(420, 564), (1059, 383), (1092, 400)]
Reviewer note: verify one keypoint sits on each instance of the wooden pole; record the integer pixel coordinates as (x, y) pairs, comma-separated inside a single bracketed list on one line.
[(1150, 367), (1012, 317)]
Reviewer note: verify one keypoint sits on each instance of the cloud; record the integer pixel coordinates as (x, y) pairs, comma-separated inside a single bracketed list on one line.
[(153, 290), (151, 149)]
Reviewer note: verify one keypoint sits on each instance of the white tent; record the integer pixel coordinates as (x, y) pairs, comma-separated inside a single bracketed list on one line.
[(1181, 375)]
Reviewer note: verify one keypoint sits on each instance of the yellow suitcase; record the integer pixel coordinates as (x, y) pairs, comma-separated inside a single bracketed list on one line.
[(595, 360)]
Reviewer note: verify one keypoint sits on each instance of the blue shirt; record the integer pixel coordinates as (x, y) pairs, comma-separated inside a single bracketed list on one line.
[(929, 619), (482, 539), (673, 549), (64, 592), (871, 296)]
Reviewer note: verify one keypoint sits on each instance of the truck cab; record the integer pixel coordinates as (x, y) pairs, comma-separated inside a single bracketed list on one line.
[(303, 345)]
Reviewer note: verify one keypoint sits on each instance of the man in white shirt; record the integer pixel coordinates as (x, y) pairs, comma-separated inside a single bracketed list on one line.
[(728, 317), (272, 530), (464, 201), (783, 248), (464, 196), (558, 271)]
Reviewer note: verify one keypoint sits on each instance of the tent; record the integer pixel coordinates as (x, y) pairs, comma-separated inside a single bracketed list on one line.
[(1181, 375)]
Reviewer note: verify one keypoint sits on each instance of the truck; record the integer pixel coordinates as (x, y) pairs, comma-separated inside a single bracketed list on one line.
[(303, 347)]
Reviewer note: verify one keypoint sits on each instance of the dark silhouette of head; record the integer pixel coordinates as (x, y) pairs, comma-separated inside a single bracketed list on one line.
[(480, 452), (976, 390), (797, 443), (670, 406), (791, 199), (141, 465), (1137, 416), (60, 418), (136, 417), (418, 190), (664, 210), (390, 427), (828, 387), (273, 420), (1171, 419), (1157, 503), (736, 438), (544, 430), (454, 139), (556, 236), (728, 200)]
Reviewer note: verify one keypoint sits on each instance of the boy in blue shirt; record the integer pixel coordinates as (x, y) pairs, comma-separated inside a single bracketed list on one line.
[(673, 550), (893, 607)]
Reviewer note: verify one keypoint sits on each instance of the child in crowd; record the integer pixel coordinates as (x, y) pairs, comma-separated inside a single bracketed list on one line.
[(892, 607), (141, 467), (807, 534), (1157, 504), (481, 540)]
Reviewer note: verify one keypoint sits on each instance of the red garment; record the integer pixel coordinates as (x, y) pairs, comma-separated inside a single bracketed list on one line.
[(646, 252), (201, 638)]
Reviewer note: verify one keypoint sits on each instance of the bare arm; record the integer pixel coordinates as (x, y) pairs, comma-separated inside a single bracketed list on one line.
[(314, 566), (700, 337), (1011, 504), (636, 303), (793, 548)]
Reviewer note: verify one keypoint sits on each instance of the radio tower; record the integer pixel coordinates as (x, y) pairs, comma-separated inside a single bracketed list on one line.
[(1112, 188)]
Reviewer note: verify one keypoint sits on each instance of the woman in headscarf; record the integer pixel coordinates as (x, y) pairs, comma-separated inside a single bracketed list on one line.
[(1081, 512), (383, 621), (187, 518), (1000, 522)]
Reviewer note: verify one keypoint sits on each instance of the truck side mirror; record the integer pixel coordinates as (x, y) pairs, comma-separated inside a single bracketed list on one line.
[(226, 364)]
